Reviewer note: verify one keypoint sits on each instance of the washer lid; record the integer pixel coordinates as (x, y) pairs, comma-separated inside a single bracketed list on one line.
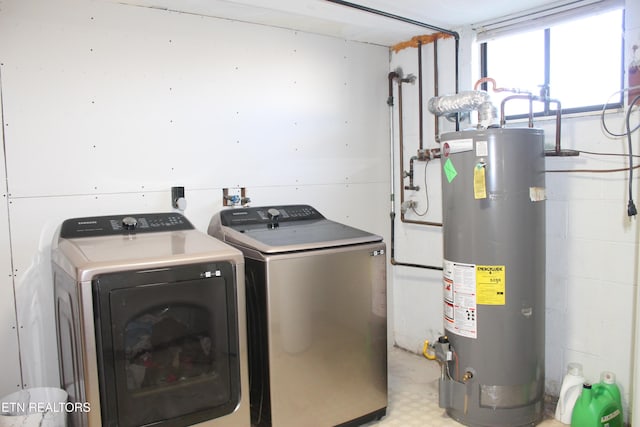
[(94, 245), (290, 228)]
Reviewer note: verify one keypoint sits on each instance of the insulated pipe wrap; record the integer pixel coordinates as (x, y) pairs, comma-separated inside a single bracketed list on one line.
[(463, 101)]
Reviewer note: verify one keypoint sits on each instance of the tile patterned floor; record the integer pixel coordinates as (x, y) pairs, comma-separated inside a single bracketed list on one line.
[(413, 394)]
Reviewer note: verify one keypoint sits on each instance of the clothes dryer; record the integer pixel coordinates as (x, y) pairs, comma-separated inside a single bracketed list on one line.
[(151, 323), (316, 292)]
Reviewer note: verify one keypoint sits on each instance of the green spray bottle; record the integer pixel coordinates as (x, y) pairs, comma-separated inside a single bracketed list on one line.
[(599, 405)]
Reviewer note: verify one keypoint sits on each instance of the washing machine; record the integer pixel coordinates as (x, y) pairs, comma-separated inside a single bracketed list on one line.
[(316, 293), (151, 323)]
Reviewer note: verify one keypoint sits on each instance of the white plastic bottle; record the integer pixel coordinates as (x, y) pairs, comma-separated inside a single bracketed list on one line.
[(569, 392)]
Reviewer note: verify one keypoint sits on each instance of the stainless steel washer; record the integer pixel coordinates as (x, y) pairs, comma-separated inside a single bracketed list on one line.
[(316, 292), (151, 323)]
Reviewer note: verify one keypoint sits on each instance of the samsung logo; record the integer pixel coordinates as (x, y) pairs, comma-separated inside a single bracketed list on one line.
[(87, 222), (239, 213)]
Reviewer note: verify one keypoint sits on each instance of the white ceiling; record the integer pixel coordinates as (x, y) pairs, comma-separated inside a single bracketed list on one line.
[(326, 17)]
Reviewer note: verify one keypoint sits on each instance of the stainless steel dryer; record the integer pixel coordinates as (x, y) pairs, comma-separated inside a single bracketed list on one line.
[(151, 323), (316, 293)]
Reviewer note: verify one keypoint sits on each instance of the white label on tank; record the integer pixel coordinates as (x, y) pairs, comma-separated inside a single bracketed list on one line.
[(482, 149), (459, 297), (537, 194), (457, 146)]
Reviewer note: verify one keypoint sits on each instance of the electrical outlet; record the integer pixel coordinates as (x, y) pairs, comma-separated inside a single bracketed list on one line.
[(178, 200)]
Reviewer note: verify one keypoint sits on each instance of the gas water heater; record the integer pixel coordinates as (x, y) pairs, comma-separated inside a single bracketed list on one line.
[(492, 355)]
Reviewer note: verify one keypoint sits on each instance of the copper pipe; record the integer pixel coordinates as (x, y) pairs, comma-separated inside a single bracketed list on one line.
[(485, 80), (494, 86), (420, 124), (497, 89), (436, 126), (457, 78), (401, 141), (558, 147), (402, 173), (414, 188), (424, 39), (557, 151), (411, 221), (393, 260), (509, 98)]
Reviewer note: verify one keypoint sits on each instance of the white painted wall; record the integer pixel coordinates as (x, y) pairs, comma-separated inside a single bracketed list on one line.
[(106, 106), (592, 246), (9, 350)]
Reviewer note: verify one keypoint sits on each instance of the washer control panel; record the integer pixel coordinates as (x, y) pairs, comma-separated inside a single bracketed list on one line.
[(268, 215), (123, 224)]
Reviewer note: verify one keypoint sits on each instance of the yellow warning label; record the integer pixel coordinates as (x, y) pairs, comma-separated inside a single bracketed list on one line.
[(479, 182), (490, 284)]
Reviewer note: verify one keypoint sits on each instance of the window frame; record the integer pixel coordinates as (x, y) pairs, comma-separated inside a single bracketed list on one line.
[(547, 109)]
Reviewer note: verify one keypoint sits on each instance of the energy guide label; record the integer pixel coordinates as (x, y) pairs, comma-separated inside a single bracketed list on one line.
[(459, 295)]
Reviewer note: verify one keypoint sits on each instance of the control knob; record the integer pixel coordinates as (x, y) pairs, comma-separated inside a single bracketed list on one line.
[(274, 215), (129, 223)]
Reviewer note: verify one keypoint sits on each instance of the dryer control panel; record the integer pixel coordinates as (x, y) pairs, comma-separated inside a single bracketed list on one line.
[(123, 224), (267, 215)]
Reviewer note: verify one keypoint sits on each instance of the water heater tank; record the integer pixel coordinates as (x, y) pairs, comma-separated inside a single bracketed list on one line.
[(493, 276)]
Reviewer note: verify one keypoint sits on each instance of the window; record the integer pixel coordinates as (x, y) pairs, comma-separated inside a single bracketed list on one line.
[(577, 62)]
